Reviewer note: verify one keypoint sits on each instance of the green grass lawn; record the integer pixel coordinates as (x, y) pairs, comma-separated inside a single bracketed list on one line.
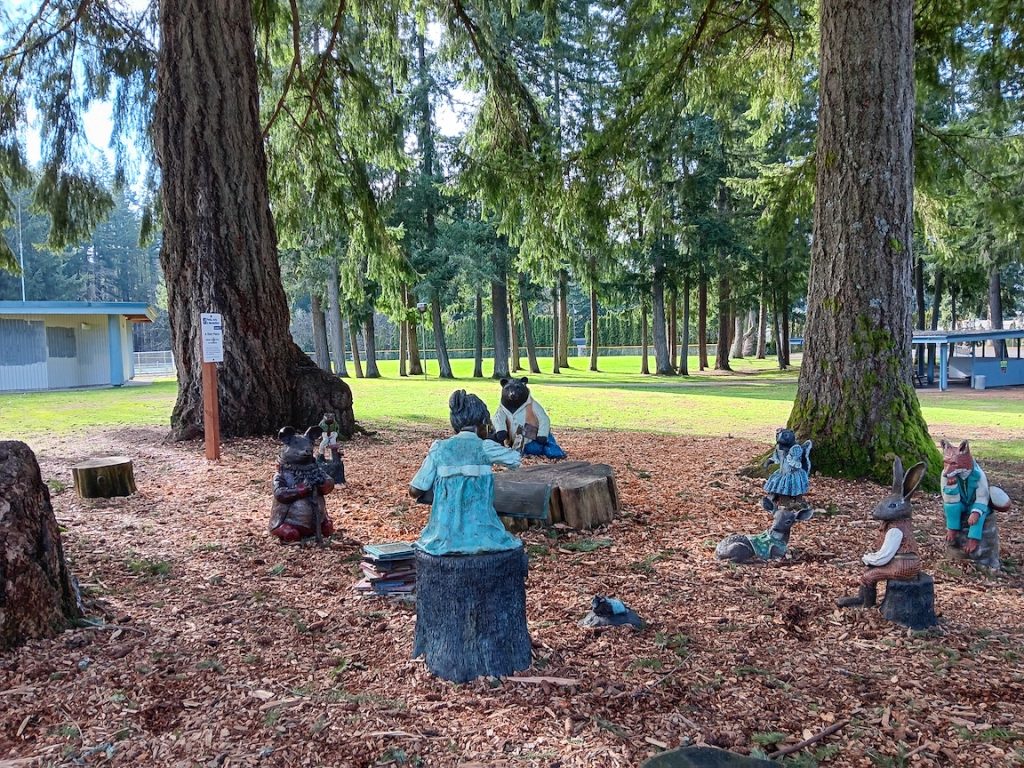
[(749, 403)]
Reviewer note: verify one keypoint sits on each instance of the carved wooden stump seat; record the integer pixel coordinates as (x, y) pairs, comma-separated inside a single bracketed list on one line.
[(910, 603), (580, 494)]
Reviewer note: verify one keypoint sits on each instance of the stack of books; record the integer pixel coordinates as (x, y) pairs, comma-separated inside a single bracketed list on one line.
[(388, 569)]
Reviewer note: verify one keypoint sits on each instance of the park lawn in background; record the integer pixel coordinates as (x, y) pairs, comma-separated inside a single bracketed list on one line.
[(748, 403)]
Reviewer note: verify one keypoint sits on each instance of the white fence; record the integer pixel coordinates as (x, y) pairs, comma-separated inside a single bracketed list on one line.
[(154, 363)]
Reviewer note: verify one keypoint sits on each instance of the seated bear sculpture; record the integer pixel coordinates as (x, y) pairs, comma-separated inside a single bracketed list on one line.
[(300, 484), (521, 423)]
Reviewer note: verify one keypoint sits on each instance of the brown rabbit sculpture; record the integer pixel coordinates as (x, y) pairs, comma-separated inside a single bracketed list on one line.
[(896, 560)]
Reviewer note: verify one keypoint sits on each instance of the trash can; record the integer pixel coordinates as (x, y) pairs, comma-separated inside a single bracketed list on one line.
[(978, 382)]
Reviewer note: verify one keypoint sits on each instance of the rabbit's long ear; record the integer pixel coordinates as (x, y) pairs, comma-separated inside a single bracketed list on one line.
[(897, 476), (914, 477)]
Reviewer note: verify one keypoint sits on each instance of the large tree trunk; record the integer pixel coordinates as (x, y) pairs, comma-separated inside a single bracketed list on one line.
[(337, 328), (499, 309), (777, 331), (555, 335), (415, 364), (320, 350), (995, 308), (563, 319), (443, 363), (702, 319), (684, 347), (750, 334), (354, 338), (919, 320), (370, 337), (644, 367), (219, 245), (724, 323), (856, 397), (595, 327), (662, 361), (513, 335), (38, 596), (531, 348), (478, 338), (786, 346)]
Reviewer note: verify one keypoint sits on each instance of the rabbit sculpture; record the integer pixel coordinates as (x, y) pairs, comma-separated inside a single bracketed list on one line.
[(896, 556)]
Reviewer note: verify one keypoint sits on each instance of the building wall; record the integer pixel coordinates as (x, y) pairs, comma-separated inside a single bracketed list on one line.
[(66, 351), (22, 353)]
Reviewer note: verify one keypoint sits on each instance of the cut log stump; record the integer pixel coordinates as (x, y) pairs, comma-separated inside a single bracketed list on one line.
[(471, 614), (579, 494), (104, 477), (910, 603)]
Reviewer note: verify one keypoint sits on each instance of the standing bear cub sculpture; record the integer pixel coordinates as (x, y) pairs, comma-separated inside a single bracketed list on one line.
[(300, 484), (521, 423), (770, 545)]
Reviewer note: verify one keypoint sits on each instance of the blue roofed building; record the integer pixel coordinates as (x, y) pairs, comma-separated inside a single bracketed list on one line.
[(62, 344)]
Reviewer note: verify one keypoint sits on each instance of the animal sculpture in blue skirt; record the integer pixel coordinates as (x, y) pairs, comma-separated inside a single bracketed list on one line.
[(792, 478)]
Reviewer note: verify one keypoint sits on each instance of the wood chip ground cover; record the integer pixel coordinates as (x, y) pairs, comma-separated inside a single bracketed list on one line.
[(218, 647)]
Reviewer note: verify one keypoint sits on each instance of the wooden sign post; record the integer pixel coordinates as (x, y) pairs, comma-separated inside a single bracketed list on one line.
[(212, 328)]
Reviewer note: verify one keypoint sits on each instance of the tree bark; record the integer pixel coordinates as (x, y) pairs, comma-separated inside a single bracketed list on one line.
[(684, 347), (644, 367), (499, 308), (786, 346), (415, 364), (662, 361), (370, 337), (531, 348), (724, 323), (737, 330), (595, 327), (555, 357), (354, 338), (762, 327), (750, 334), (513, 335), (403, 348), (673, 311), (320, 351), (995, 308), (38, 595), (919, 324), (855, 396), (219, 246), (702, 319), (337, 329), (478, 338), (563, 319), (936, 306), (443, 363), (777, 331)]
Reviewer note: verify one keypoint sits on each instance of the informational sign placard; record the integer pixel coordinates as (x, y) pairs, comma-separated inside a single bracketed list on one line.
[(212, 328)]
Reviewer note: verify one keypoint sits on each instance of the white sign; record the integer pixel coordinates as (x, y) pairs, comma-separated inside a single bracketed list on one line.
[(213, 337)]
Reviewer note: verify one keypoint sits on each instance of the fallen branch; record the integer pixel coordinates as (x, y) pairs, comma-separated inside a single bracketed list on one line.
[(807, 742), (541, 680)]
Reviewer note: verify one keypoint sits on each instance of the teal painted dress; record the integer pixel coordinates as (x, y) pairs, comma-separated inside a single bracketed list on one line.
[(462, 519)]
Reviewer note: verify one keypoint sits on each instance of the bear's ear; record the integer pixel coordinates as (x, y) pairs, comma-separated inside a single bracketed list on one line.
[(525, 380), (504, 382), (285, 434)]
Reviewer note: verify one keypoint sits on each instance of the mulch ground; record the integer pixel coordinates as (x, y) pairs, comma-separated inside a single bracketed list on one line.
[(222, 648)]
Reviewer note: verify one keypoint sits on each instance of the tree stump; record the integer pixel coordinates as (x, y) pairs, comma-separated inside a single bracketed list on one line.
[(104, 477), (471, 614), (910, 603), (577, 493), (38, 596)]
